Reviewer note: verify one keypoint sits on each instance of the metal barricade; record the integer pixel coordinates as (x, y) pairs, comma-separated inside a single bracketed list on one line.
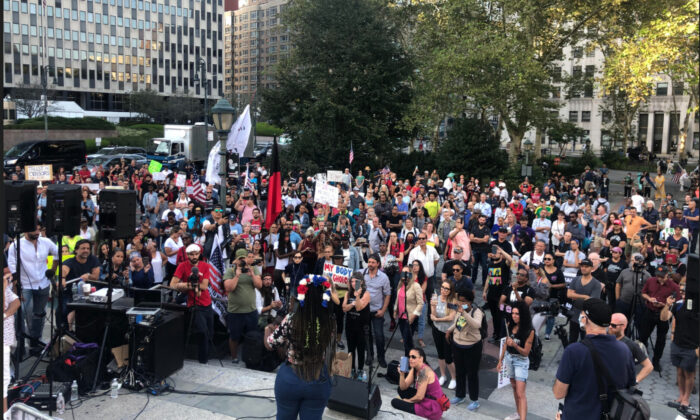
[(19, 411)]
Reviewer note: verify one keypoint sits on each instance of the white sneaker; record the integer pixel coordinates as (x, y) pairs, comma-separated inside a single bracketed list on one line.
[(452, 385), (442, 380), (514, 416)]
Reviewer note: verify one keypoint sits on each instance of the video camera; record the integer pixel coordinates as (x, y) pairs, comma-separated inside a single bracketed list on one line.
[(193, 280), (638, 263)]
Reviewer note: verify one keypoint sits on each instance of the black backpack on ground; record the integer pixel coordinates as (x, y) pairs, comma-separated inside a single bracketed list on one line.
[(392, 372), (535, 355), (616, 404)]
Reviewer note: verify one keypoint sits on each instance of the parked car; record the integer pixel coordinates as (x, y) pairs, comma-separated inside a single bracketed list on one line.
[(640, 153), (58, 153), (117, 150), (109, 160)]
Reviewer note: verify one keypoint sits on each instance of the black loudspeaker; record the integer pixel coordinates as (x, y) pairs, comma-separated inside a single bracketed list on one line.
[(63, 209), (693, 271), (117, 213), (20, 202), (159, 351), (350, 397)]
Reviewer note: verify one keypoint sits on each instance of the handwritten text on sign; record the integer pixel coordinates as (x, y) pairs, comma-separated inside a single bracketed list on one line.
[(38, 172), (503, 378), (339, 274), (335, 176), (326, 194)]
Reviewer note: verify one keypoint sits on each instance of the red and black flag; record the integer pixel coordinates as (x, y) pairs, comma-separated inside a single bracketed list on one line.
[(274, 189)]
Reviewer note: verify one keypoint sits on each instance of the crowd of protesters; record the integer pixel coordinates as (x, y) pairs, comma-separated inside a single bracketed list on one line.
[(428, 252)]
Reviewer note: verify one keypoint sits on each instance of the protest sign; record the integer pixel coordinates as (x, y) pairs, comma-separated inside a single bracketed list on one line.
[(326, 194), (38, 173), (180, 180), (154, 166), (335, 176), (503, 378), (338, 274)]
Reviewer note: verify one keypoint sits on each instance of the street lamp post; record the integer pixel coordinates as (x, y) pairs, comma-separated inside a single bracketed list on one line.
[(526, 169), (204, 82), (223, 114), (45, 86)]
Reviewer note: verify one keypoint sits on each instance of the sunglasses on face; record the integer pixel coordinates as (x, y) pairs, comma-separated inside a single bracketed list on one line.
[(548, 259), (457, 270), (219, 210), (616, 325), (413, 356), (296, 257)]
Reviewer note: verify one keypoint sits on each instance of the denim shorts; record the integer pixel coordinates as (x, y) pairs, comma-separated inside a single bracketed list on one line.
[(517, 366)]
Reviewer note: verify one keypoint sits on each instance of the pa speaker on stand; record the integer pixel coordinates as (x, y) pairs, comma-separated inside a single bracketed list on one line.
[(63, 209), (20, 205), (117, 213)]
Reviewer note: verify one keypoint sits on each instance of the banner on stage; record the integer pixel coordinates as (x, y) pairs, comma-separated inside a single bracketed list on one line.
[(338, 274), (335, 176), (38, 172), (503, 378), (326, 194)]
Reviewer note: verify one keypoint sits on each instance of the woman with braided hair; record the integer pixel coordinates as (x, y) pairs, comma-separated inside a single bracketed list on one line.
[(303, 385)]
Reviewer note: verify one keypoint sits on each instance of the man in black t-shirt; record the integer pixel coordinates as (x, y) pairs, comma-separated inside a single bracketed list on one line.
[(479, 236), (497, 282), (83, 265), (502, 241), (519, 290)]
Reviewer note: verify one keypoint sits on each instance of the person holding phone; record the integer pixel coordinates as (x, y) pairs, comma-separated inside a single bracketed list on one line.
[(655, 292), (442, 312), (356, 308), (515, 355), (467, 346), (408, 307), (419, 388)]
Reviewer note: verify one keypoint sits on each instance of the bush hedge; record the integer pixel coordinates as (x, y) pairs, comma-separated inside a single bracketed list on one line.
[(61, 123), (267, 129), (138, 135)]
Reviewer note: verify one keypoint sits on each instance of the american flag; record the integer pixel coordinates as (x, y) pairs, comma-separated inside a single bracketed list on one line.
[(386, 170), (216, 289), (197, 191), (352, 154)]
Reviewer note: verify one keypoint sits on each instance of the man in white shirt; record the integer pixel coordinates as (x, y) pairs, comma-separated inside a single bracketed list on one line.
[(427, 255), (173, 210), (542, 225), (535, 256), (637, 201), (34, 249), (569, 206), (483, 206), (171, 247)]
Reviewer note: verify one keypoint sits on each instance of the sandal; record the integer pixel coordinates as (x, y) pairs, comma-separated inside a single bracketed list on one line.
[(421, 343), (674, 404)]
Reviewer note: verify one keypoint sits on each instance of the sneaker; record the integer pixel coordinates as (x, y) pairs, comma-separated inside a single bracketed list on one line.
[(442, 380), (546, 337), (362, 376), (473, 406), (514, 416), (456, 400), (353, 374), (452, 385), (341, 345)]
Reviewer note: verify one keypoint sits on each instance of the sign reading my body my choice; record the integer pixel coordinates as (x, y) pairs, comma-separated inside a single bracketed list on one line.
[(338, 274)]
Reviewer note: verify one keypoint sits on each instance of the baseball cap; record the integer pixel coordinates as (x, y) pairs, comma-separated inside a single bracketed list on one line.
[(617, 222), (597, 311), (662, 271), (492, 184), (503, 229), (355, 189), (587, 262), (240, 253)]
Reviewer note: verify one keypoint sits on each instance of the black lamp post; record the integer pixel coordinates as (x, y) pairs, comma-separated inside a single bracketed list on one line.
[(45, 84), (204, 82)]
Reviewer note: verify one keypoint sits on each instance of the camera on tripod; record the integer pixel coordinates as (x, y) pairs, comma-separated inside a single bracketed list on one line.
[(551, 307), (193, 280), (638, 263)]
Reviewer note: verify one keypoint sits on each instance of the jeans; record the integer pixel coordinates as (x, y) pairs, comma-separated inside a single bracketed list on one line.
[(480, 259), (34, 307), (407, 331), (203, 323), (421, 321), (296, 397), (377, 336), (517, 366), (393, 281), (497, 316), (651, 321), (550, 325), (467, 362)]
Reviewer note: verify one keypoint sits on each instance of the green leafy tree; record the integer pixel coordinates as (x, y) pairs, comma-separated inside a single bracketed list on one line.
[(471, 145), (563, 133), (344, 82)]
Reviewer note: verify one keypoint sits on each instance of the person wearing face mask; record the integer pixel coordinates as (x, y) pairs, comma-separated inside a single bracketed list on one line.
[(576, 380), (35, 285)]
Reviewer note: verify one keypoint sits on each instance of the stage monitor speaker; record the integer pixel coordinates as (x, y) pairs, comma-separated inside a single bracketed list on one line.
[(159, 350), (350, 397), (117, 213), (63, 209), (693, 267), (20, 202)]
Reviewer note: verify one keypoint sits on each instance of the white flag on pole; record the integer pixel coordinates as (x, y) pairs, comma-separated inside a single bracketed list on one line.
[(240, 132), (213, 165)]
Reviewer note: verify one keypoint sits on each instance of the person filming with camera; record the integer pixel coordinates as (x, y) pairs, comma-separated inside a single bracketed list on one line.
[(628, 289), (192, 277)]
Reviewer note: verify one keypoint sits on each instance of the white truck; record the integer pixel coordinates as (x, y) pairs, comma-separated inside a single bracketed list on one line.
[(180, 143)]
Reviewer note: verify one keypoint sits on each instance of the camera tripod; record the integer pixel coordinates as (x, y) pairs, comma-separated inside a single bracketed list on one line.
[(635, 308)]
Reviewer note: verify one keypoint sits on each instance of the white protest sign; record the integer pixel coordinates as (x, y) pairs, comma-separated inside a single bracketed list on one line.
[(326, 194), (503, 378), (335, 176), (180, 180), (189, 190), (92, 187), (338, 274), (159, 176), (38, 173)]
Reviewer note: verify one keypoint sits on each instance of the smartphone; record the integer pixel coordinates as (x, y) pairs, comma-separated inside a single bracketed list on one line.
[(673, 295), (452, 306), (494, 249), (403, 364)]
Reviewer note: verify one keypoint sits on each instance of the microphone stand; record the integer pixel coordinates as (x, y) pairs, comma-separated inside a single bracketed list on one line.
[(108, 320), (19, 319)]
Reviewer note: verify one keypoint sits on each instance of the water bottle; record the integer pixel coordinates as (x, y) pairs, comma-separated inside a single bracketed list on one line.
[(60, 404), (78, 291), (114, 393), (74, 391)]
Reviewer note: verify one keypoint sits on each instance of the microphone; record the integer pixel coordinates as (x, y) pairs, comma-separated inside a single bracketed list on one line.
[(195, 271)]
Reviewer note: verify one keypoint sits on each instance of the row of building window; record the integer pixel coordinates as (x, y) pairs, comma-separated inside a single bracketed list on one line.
[(259, 14), (33, 8)]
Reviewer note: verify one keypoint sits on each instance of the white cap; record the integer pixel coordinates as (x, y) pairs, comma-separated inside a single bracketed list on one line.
[(193, 248)]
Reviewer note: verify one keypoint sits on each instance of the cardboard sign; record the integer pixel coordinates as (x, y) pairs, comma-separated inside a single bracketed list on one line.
[(154, 166), (338, 274), (503, 379), (335, 176), (326, 194), (180, 180), (38, 173)]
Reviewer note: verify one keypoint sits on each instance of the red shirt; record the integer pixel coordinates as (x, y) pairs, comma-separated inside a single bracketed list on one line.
[(654, 289), (183, 272)]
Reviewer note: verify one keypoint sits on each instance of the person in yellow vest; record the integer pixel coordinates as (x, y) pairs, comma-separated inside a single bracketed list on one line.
[(70, 242), (65, 254)]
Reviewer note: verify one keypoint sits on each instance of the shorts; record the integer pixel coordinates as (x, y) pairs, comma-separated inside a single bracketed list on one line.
[(517, 367), (683, 358), (5, 370), (239, 324)]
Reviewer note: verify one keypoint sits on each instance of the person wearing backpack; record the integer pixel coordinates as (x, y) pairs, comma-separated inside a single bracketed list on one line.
[(467, 335), (577, 376), (520, 336)]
